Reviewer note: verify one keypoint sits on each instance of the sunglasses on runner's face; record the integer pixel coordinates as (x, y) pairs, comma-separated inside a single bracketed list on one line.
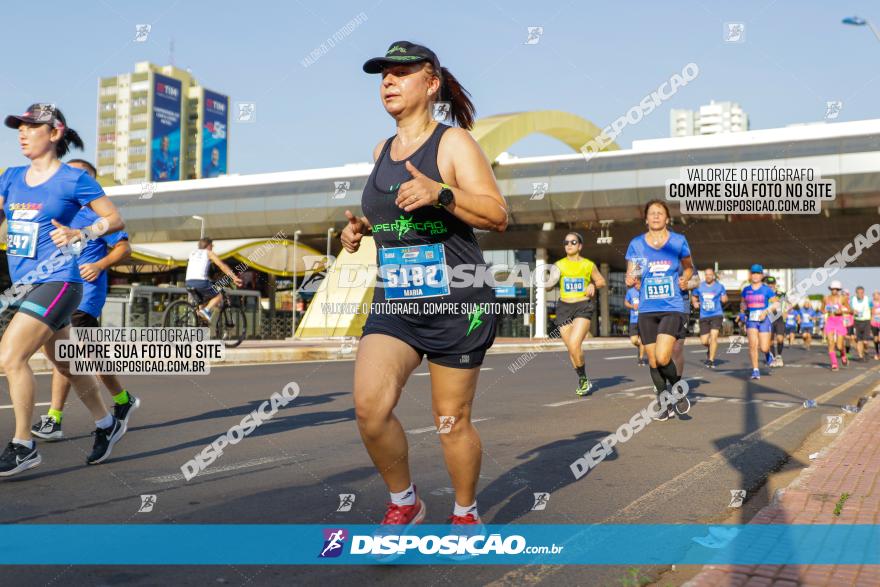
[(574, 242)]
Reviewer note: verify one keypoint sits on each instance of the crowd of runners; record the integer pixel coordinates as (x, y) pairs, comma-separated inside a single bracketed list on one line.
[(63, 234), (438, 176)]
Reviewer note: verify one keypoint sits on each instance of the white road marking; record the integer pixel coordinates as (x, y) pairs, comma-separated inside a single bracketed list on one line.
[(621, 357), (698, 352), (565, 403), (215, 470), (38, 405), (640, 388), (428, 372), (434, 428)]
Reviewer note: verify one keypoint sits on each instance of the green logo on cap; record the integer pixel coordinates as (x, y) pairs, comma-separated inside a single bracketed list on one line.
[(395, 49)]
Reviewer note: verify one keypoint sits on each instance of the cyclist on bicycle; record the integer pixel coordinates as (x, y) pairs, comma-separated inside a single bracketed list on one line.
[(197, 276)]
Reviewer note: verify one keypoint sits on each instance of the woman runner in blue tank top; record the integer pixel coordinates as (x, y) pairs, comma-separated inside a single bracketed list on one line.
[(430, 187), (39, 201)]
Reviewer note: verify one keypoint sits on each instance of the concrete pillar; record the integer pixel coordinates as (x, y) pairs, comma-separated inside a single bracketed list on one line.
[(540, 295), (605, 327), (271, 286)]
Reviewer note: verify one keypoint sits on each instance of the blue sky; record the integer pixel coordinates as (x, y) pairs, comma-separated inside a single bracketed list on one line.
[(595, 60)]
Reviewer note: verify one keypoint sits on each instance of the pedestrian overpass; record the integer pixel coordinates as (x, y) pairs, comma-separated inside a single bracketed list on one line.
[(611, 186)]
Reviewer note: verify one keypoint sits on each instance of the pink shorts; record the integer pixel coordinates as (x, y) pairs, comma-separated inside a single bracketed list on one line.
[(834, 325)]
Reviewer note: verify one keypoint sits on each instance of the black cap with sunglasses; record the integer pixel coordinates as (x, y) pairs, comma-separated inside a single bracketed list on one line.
[(401, 52)]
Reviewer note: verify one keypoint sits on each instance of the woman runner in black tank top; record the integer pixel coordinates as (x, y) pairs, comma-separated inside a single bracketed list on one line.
[(430, 187)]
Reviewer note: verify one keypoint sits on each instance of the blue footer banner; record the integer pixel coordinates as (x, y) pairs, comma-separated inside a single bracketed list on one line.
[(252, 544)]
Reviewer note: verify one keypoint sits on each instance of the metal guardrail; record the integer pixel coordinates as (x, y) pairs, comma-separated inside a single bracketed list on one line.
[(144, 305)]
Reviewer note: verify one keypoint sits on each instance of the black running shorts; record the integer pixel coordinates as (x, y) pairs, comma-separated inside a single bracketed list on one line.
[(82, 319), (568, 311), (457, 359), (863, 330), (51, 303), (711, 323), (683, 329), (778, 328), (654, 323)]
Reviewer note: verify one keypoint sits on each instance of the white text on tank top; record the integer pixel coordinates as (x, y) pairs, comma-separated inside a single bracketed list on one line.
[(197, 268)]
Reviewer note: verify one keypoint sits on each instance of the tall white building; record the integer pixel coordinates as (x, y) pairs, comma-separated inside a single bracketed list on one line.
[(158, 124), (711, 119)]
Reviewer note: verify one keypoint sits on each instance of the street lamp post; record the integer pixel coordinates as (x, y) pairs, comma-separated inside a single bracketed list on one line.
[(202, 231), (293, 290), (330, 232), (858, 21)]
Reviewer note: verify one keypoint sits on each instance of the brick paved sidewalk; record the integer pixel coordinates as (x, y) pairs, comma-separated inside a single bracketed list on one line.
[(851, 464)]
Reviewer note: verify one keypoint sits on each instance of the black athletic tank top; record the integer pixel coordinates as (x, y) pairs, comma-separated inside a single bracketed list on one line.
[(393, 228)]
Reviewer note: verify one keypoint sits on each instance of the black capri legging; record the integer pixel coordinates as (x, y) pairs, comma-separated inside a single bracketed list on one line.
[(654, 323)]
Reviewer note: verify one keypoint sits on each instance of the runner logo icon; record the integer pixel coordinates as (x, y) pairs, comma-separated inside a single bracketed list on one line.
[(334, 539)]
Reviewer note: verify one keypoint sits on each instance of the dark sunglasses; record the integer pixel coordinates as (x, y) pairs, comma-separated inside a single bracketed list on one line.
[(573, 242)]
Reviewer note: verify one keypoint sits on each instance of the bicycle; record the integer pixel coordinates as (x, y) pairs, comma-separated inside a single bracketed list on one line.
[(230, 326)]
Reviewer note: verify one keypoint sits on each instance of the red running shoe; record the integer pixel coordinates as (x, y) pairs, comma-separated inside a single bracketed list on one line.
[(468, 520), (404, 515), (474, 527), (398, 520)]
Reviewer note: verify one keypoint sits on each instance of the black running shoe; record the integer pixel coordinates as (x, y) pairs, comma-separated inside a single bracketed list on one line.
[(683, 406), (663, 416), (122, 412), (47, 429), (17, 458), (105, 438)]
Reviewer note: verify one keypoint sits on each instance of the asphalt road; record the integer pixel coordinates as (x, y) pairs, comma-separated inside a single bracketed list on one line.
[(293, 468)]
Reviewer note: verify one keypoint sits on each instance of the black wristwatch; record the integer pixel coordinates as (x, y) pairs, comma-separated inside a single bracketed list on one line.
[(445, 197)]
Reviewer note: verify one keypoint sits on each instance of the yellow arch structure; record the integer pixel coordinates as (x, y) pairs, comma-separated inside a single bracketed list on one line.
[(496, 134)]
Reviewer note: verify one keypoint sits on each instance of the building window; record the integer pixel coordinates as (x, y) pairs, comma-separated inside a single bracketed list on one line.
[(141, 150), (138, 102)]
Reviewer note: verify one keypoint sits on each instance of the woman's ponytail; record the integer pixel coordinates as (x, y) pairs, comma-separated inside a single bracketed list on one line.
[(461, 109), (69, 138)]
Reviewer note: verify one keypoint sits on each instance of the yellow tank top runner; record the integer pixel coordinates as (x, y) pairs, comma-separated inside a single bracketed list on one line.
[(574, 277)]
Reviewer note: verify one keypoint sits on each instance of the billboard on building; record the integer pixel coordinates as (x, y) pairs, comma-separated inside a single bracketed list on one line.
[(215, 122), (165, 142)]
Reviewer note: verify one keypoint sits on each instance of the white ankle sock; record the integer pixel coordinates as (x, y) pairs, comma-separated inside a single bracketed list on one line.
[(24, 443), (105, 422), (405, 497), (461, 510)]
